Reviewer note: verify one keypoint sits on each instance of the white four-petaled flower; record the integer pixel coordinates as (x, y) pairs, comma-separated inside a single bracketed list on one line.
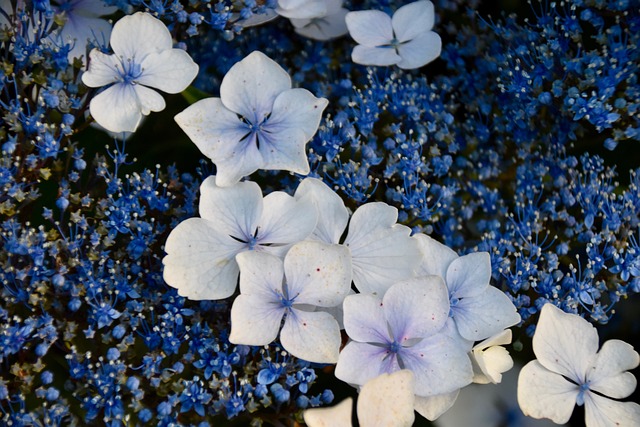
[(405, 40), (259, 121), (570, 370), (143, 58)]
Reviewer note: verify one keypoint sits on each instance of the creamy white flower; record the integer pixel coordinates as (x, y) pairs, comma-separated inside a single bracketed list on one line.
[(143, 58), (490, 360), (570, 370), (405, 40), (259, 121)]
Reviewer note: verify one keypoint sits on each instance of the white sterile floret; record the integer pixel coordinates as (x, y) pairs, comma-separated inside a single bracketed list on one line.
[(478, 310), (200, 261), (490, 360), (385, 401), (328, 26), (570, 370), (259, 121), (314, 274), (405, 40), (143, 58), (382, 251)]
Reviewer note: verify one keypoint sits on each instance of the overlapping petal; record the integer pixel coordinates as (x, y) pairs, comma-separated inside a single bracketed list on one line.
[(608, 374), (412, 20), (312, 336), (333, 216)]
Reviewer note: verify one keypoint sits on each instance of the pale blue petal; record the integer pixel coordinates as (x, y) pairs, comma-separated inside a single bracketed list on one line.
[(436, 257), (370, 28), (138, 35), (302, 9), (332, 213), (82, 29), (381, 56), (285, 220), (261, 276), (469, 275), (148, 99), (254, 321), (420, 51), (117, 108), (296, 108), (412, 20), (326, 28), (103, 70), (171, 70), (311, 336), (364, 319), (360, 362)]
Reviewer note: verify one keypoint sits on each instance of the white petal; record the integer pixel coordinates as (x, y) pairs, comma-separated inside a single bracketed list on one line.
[(200, 261), (603, 412), (336, 416), (469, 275), (138, 35), (285, 220), (484, 315), (416, 308), (149, 99), (255, 321), (257, 19), (412, 20), (84, 29), (103, 69), (171, 70), (501, 338), (320, 273), (420, 51), (370, 28), (261, 275), (382, 251), (325, 28), (301, 9), (436, 257), (117, 108), (360, 362), (492, 363), (252, 85), (312, 336), (296, 108), (380, 56), (608, 374), (236, 209), (545, 394), (364, 319), (431, 407), (333, 216), (565, 343), (241, 163), (387, 401)]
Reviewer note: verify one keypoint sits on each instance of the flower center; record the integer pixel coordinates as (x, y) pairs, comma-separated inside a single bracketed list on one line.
[(129, 71), (395, 347), (583, 389)]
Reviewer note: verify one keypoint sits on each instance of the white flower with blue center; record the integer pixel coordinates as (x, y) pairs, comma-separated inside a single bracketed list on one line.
[(314, 274), (143, 58), (570, 370), (200, 261), (259, 121), (405, 40)]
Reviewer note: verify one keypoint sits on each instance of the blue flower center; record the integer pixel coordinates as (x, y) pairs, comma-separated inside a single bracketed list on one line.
[(130, 71), (583, 389), (395, 347)]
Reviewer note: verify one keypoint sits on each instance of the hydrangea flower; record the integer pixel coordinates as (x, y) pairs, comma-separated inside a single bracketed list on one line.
[(143, 58), (490, 360), (405, 40), (382, 252), (570, 370), (314, 274), (385, 401), (200, 260), (324, 27), (259, 121), (478, 309), (403, 330)]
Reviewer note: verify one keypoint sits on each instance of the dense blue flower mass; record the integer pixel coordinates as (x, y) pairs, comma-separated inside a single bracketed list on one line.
[(520, 141)]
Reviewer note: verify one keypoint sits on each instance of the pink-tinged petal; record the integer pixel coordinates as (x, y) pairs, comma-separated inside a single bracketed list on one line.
[(319, 273), (387, 401), (413, 19), (326, 28), (171, 70), (361, 362), (285, 220), (261, 275), (333, 216), (252, 85), (311, 336), (565, 343), (255, 321), (603, 412), (296, 108), (138, 35), (379, 56), (370, 28), (439, 365), (149, 100), (431, 407), (436, 257), (484, 315), (200, 261), (235, 210), (335, 416), (103, 70), (364, 319), (420, 51), (545, 394), (469, 275), (117, 108), (382, 251), (416, 308), (608, 374)]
